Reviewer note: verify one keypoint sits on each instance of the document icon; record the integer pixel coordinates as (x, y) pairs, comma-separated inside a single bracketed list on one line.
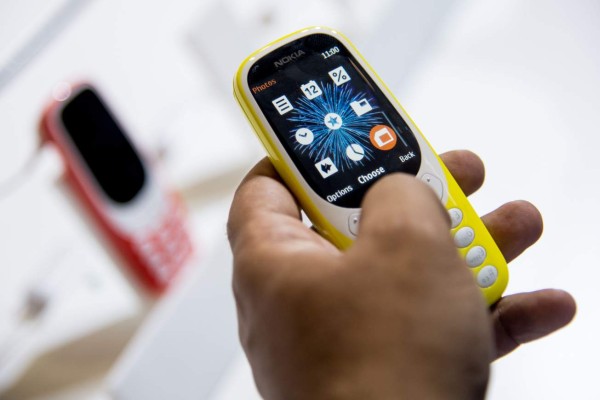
[(283, 105), (361, 107)]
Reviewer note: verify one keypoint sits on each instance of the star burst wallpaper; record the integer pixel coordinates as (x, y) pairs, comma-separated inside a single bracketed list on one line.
[(335, 125)]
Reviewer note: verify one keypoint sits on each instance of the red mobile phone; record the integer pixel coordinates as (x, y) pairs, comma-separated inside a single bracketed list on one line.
[(140, 217)]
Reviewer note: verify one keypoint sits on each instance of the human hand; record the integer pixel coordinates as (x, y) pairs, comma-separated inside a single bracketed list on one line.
[(524, 317), (320, 323)]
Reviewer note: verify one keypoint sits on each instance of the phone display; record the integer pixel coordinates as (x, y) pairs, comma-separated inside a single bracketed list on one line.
[(340, 130), (111, 158)]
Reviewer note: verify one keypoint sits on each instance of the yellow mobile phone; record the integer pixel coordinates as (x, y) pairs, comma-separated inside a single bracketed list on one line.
[(332, 128)]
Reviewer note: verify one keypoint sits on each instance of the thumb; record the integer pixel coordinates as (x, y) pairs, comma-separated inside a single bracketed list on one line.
[(400, 209)]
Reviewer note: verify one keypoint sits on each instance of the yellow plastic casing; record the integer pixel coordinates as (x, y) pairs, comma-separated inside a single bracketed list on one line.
[(454, 198)]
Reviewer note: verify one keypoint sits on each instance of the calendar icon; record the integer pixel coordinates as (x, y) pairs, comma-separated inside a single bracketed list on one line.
[(311, 90)]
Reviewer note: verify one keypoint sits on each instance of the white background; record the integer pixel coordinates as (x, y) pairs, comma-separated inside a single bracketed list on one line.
[(515, 81)]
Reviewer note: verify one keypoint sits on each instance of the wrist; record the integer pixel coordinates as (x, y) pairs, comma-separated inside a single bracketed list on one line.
[(374, 384)]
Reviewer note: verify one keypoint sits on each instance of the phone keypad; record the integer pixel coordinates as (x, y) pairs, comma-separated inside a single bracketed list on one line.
[(475, 256), (464, 239), (166, 248)]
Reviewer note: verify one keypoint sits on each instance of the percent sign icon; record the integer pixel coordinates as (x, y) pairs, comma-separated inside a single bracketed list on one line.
[(339, 76)]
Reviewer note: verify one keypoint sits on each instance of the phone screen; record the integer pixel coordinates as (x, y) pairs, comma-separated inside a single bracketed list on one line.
[(108, 153), (338, 127)]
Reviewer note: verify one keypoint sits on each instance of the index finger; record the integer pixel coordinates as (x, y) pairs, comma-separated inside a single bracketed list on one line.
[(260, 197)]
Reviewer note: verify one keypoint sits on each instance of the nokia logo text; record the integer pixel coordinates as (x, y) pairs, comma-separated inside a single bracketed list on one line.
[(292, 57)]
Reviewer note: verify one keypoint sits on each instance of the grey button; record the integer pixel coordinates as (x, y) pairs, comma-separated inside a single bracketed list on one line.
[(353, 223), (435, 183), (487, 276), (464, 237), (456, 217), (476, 256)]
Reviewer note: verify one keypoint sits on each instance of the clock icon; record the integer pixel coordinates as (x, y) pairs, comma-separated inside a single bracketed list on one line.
[(355, 152)]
